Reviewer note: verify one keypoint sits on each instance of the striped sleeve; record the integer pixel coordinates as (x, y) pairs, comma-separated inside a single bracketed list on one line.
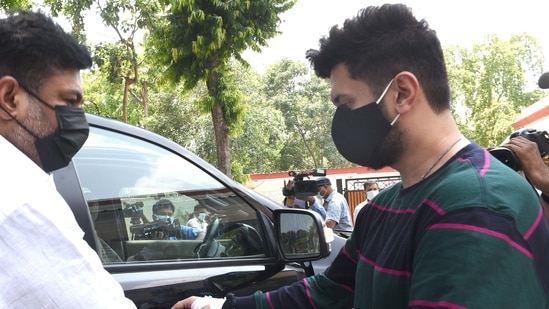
[(332, 290), (315, 292)]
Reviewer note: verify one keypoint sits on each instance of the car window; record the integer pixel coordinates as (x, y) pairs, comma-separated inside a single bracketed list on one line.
[(149, 204)]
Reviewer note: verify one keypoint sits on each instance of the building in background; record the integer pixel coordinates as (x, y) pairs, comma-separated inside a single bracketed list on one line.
[(535, 116)]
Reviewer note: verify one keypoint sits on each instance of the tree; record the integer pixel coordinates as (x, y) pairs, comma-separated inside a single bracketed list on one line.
[(197, 40), (118, 59), (74, 11), (491, 83), (304, 101), (175, 116), (121, 59), (258, 146)]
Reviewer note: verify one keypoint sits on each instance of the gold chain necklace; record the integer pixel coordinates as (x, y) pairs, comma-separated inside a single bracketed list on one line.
[(440, 157)]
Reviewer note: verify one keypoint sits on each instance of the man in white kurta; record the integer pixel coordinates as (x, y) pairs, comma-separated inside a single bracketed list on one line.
[(44, 260)]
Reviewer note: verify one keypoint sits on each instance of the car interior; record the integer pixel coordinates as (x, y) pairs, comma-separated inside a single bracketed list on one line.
[(122, 178)]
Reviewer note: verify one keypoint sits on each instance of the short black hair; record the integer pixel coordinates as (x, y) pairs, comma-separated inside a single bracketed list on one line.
[(379, 43), (33, 48), (163, 203)]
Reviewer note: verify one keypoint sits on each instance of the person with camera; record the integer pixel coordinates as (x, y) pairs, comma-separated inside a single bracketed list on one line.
[(338, 215), (532, 165), (304, 202), (460, 230), (163, 227)]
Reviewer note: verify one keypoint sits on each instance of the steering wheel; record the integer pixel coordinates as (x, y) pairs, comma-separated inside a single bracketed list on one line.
[(245, 240), (202, 249)]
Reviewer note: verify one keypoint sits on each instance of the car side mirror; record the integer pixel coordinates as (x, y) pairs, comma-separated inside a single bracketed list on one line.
[(300, 235)]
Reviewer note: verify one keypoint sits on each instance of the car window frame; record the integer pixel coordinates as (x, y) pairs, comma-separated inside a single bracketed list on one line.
[(69, 183)]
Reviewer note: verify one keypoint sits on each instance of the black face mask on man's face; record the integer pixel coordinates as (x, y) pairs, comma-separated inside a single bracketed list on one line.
[(57, 149), (358, 133)]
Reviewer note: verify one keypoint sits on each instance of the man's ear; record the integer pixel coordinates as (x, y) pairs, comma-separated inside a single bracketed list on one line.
[(407, 91), (9, 97)]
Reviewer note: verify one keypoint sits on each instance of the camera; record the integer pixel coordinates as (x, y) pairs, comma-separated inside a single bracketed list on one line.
[(304, 187), (156, 230), (509, 158), (133, 211)]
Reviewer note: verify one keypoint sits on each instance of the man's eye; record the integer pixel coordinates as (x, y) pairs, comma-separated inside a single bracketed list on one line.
[(346, 105), (74, 102)]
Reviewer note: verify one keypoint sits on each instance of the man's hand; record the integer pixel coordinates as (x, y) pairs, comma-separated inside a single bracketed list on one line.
[(531, 162), (194, 302), (289, 185), (331, 224)]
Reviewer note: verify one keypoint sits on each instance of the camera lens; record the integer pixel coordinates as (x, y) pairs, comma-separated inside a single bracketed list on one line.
[(506, 156)]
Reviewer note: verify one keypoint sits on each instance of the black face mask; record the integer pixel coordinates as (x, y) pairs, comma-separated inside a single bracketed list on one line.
[(57, 149), (358, 133)]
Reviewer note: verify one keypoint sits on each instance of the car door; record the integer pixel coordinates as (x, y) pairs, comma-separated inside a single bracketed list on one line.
[(121, 173)]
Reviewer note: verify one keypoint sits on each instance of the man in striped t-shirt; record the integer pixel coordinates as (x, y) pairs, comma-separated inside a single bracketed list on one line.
[(461, 230)]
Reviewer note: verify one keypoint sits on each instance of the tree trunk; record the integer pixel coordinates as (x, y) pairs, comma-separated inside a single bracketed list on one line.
[(221, 140), (221, 130), (125, 100), (145, 101), (127, 83)]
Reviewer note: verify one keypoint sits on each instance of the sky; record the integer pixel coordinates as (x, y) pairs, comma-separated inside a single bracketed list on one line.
[(463, 22)]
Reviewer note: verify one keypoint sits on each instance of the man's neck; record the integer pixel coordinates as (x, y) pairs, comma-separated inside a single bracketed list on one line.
[(427, 161)]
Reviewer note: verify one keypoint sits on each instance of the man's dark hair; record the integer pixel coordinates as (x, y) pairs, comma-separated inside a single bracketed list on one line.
[(163, 203), (33, 48), (198, 207), (381, 42), (369, 183)]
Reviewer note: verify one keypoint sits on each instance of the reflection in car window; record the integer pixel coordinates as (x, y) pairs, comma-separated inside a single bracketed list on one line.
[(149, 204)]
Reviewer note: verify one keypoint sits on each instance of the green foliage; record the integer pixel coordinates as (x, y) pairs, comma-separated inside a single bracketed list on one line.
[(111, 59), (8, 5), (74, 11), (491, 83), (191, 65), (304, 101), (197, 42), (103, 98), (199, 37), (175, 115), (231, 100)]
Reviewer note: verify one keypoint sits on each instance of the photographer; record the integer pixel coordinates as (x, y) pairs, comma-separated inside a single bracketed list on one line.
[(338, 215), (533, 167), (305, 202), (163, 227)]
